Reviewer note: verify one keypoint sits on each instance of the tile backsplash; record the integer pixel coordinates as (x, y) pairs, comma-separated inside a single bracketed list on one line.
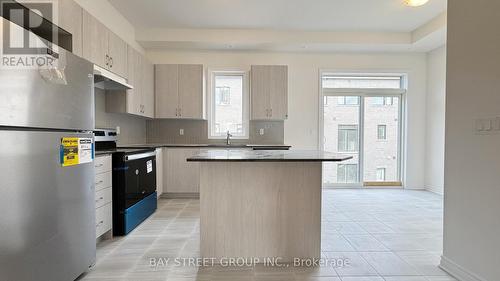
[(132, 128), (137, 130), (196, 131)]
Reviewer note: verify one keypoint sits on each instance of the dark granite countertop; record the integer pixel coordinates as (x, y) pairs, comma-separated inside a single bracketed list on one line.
[(123, 150), (203, 145), (228, 155)]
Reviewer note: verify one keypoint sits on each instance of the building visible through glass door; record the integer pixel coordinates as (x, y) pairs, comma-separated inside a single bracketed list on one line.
[(381, 135)]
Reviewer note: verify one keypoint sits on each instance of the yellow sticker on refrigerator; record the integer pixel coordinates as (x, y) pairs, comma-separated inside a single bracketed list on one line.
[(76, 151)]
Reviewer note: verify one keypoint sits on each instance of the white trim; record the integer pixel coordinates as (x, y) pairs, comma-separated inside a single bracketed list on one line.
[(367, 92), (458, 271), (355, 91), (246, 99)]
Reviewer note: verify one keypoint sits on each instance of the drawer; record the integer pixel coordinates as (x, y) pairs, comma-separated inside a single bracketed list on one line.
[(102, 164), (103, 220), (103, 197), (103, 180)]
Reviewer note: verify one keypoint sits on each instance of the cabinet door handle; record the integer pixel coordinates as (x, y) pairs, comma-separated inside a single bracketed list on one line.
[(110, 62), (99, 166), (271, 112), (99, 182), (180, 111)]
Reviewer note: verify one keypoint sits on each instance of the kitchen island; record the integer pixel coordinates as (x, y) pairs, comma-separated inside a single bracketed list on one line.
[(261, 204)]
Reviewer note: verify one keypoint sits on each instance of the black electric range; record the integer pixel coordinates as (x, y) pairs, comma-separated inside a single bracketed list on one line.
[(134, 181)]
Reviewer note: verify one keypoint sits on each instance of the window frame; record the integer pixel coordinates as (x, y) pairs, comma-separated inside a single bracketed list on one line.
[(346, 138), (384, 170), (345, 166), (384, 134), (211, 101), (222, 101)]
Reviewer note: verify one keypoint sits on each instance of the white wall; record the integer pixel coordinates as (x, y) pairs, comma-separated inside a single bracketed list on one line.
[(472, 161), (112, 19), (435, 113), (301, 129)]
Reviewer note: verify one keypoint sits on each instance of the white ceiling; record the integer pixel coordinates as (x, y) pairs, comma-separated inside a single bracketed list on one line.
[(304, 15), (286, 25)]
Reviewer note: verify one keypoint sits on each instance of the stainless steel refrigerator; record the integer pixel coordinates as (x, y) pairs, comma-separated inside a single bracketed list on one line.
[(47, 213)]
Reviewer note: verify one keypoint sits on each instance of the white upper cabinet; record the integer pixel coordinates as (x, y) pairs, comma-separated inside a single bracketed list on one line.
[(103, 47), (269, 92), (179, 91)]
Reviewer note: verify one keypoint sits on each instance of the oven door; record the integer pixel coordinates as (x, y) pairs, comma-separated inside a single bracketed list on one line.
[(140, 177)]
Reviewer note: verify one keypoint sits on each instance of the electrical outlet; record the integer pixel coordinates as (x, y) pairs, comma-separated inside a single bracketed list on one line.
[(117, 130), (181, 132), (261, 131)]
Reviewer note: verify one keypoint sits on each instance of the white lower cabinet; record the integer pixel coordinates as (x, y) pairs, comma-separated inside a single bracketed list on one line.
[(103, 220), (181, 178), (103, 195), (159, 171)]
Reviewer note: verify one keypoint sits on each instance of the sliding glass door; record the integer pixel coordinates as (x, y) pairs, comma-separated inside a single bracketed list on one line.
[(381, 143), (364, 123), (341, 135)]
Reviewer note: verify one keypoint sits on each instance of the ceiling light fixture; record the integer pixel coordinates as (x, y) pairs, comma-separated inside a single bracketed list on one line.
[(415, 3)]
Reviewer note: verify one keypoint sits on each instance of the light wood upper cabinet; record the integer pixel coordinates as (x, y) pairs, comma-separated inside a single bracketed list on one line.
[(166, 90), (103, 47), (260, 98), (148, 90), (71, 19), (179, 91), (134, 73), (95, 41), (117, 53), (269, 92), (181, 176), (140, 99), (279, 92), (191, 91)]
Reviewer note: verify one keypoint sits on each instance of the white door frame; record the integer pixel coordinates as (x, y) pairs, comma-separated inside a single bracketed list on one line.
[(363, 93)]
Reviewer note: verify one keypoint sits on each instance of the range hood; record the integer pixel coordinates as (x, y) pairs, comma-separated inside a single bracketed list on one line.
[(107, 80)]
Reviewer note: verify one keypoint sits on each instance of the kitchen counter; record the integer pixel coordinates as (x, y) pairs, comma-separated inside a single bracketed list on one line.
[(261, 204), (123, 150), (206, 145), (227, 155)]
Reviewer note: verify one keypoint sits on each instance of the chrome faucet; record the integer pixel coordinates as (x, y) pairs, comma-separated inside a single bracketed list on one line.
[(228, 138)]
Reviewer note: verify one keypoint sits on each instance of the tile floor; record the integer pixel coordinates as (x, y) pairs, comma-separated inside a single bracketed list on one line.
[(378, 235)]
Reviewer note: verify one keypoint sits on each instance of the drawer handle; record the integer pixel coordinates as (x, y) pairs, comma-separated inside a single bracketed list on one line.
[(101, 222), (100, 198), (99, 165), (99, 182)]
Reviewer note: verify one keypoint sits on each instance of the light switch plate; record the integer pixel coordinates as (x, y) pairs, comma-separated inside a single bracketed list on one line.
[(181, 132), (117, 130), (261, 131)]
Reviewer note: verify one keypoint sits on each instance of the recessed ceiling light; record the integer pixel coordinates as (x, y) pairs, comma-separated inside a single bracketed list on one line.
[(415, 3)]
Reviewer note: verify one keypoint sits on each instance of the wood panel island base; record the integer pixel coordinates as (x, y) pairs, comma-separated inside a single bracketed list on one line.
[(261, 204)]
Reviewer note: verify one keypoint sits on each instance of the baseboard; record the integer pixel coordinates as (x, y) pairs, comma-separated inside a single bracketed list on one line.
[(178, 195), (458, 271), (438, 191)]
